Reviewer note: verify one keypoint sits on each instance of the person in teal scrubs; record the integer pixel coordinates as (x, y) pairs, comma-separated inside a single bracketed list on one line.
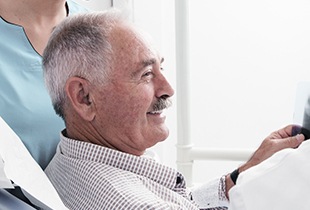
[(25, 27)]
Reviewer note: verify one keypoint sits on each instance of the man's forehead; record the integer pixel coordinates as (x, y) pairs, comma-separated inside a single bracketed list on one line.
[(134, 48), (127, 30)]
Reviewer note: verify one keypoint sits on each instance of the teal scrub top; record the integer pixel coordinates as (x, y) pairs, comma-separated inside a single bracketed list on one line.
[(24, 101)]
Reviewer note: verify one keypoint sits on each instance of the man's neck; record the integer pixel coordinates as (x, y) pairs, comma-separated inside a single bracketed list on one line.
[(37, 17), (32, 11)]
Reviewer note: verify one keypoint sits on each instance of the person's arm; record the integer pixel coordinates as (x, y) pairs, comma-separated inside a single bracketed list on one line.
[(276, 141), (214, 194)]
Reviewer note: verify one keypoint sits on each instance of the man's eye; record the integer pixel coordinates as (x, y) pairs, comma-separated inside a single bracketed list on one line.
[(147, 74)]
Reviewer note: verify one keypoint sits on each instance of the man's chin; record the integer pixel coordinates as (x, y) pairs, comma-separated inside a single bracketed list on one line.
[(163, 136)]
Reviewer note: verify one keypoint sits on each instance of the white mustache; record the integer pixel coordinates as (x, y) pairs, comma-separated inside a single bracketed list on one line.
[(161, 104)]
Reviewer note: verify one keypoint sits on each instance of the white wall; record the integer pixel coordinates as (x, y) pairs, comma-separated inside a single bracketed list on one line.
[(95, 5), (247, 58)]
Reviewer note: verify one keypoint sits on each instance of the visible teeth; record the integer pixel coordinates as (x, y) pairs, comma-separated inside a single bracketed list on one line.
[(156, 112)]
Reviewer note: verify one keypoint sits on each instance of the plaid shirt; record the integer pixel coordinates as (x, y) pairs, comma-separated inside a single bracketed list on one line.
[(89, 176)]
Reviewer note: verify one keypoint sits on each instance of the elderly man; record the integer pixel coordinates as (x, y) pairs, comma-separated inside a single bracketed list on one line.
[(106, 81)]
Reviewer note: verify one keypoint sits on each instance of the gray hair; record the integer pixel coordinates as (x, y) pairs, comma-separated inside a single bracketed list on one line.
[(79, 46)]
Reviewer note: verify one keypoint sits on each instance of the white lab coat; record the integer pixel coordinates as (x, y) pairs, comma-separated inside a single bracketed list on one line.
[(282, 182)]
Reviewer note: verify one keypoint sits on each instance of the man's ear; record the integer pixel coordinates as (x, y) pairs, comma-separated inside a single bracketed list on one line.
[(78, 92)]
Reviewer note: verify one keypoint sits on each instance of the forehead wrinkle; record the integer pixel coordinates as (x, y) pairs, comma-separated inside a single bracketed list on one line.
[(151, 61)]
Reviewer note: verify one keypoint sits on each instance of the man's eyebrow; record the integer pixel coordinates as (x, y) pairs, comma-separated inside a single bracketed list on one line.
[(151, 62)]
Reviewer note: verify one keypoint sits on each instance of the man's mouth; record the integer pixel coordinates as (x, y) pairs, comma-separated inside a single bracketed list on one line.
[(155, 112)]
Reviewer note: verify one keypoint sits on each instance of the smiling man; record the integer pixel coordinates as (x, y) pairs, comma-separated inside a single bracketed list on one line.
[(106, 81)]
